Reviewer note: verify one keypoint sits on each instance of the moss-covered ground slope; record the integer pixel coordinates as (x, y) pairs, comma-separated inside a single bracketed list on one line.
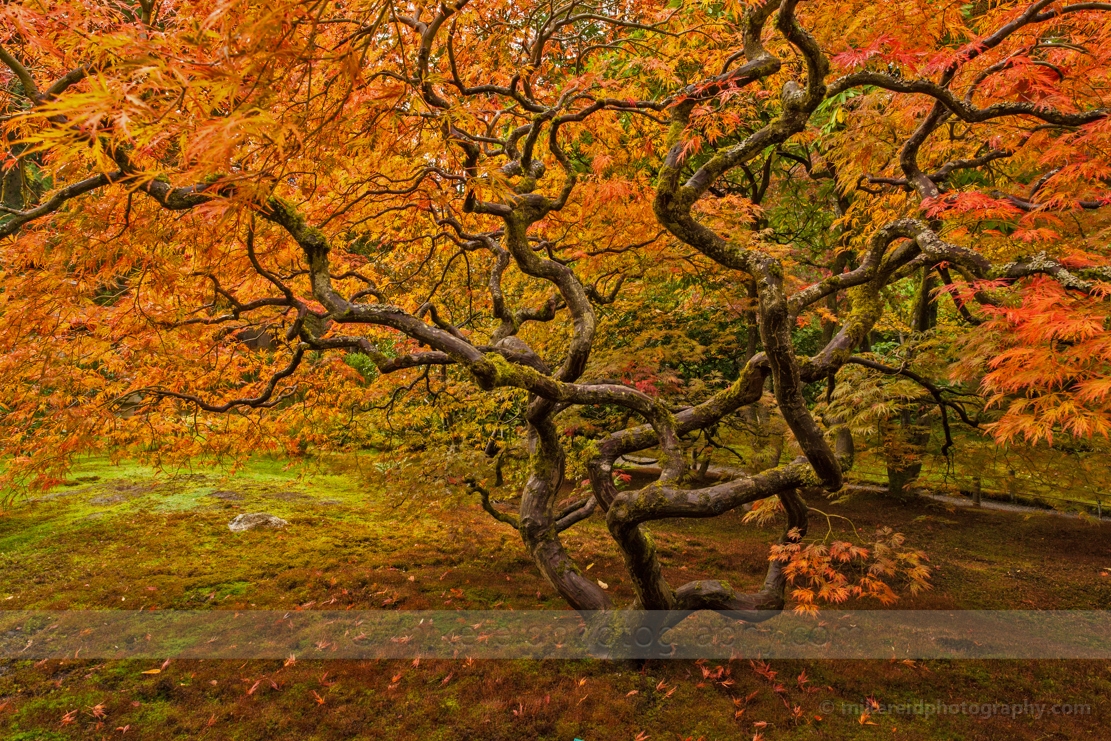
[(119, 537)]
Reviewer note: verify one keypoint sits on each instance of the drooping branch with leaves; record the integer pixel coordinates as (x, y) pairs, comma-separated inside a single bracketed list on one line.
[(223, 223)]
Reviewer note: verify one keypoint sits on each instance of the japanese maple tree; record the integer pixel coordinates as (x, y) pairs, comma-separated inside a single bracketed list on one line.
[(237, 226)]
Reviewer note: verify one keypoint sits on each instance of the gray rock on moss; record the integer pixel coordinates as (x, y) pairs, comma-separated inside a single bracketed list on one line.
[(252, 520)]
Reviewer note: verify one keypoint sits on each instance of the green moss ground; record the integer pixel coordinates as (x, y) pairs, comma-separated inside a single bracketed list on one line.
[(126, 539)]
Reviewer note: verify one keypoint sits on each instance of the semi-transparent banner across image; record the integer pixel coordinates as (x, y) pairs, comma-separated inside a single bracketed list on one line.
[(553, 634)]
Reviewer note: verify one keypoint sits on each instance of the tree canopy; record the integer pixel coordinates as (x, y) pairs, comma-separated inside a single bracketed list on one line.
[(562, 232)]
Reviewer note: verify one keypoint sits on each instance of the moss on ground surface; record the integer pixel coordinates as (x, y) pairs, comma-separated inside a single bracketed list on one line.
[(118, 537)]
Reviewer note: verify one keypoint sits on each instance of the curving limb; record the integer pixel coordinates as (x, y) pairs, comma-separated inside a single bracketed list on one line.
[(484, 495), (757, 606), (264, 400), (943, 404)]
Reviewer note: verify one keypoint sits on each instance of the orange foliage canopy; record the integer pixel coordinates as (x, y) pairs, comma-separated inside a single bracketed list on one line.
[(145, 140)]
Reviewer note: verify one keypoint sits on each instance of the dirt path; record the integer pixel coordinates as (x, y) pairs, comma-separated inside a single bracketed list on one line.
[(966, 502)]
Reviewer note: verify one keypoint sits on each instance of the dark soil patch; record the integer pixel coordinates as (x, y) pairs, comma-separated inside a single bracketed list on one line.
[(109, 499), (227, 496), (286, 496)]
